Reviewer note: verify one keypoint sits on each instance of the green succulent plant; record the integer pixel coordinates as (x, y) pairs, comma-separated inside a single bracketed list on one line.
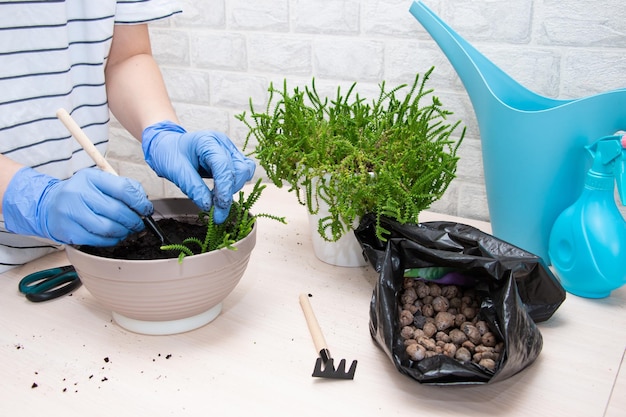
[(391, 156), (237, 226)]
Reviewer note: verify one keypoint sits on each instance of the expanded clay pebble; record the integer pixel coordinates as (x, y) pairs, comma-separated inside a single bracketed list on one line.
[(443, 320)]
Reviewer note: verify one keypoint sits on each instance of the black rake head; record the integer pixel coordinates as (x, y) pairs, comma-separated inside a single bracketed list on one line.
[(327, 370)]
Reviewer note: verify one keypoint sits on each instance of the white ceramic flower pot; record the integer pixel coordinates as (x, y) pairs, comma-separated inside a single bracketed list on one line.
[(345, 252)]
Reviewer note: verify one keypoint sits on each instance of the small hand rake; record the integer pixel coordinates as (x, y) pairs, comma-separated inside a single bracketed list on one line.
[(324, 367)]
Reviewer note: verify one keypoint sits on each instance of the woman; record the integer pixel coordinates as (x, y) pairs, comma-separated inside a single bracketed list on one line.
[(91, 57)]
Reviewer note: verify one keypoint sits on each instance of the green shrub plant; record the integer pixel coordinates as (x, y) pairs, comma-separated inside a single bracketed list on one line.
[(393, 156)]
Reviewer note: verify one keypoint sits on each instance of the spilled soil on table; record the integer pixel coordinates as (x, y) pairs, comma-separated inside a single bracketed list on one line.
[(145, 245)]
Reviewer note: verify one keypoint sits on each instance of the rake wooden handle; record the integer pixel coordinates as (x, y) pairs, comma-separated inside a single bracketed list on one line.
[(84, 141), (314, 327)]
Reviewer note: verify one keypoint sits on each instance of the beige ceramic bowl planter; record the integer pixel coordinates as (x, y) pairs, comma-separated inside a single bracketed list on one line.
[(165, 296)]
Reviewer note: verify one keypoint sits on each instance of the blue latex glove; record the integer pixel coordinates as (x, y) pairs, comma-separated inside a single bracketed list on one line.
[(91, 208), (184, 158)]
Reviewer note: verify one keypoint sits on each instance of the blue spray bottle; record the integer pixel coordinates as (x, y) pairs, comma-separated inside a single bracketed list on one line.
[(587, 243)]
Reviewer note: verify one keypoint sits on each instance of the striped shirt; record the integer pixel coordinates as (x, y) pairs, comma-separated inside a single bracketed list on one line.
[(52, 55)]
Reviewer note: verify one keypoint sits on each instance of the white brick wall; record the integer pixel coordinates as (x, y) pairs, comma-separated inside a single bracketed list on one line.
[(218, 54)]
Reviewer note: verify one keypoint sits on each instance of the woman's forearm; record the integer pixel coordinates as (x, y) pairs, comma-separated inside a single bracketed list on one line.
[(136, 92)]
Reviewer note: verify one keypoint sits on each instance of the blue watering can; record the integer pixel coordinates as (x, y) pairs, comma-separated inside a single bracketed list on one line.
[(534, 156)]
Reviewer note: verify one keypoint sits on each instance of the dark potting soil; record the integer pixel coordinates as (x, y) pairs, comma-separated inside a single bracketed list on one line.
[(145, 245)]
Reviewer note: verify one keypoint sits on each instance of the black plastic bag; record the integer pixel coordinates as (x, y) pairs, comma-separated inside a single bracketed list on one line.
[(520, 291)]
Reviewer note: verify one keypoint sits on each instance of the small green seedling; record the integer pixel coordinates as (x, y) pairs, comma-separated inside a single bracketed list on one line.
[(237, 226)]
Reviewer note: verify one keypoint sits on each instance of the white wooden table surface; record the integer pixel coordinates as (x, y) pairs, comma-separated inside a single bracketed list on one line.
[(257, 357)]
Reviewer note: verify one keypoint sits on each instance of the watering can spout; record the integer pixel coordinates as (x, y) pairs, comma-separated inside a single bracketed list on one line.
[(482, 79), (453, 46)]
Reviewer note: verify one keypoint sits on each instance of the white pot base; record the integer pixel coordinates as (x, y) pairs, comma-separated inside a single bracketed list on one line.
[(160, 328), (345, 252)]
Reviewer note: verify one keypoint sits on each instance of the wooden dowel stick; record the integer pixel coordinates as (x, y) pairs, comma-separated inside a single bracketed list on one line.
[(84, 141)]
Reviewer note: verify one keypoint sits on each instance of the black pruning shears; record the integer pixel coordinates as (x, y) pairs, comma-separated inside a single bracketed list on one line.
[(49, 284)]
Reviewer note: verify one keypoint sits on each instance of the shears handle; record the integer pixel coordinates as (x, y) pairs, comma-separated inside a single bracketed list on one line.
[(50, 283)]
